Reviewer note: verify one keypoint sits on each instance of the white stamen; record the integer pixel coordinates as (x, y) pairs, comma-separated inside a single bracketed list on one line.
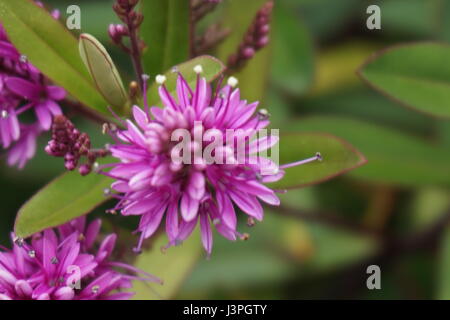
[(32, 254), (263, 112), (145, 77), (106, 192), (233, 82), (95, 289), (18, 241), (175, 69), (160, 79), (23, 58), (96, 167), (198, 69), (5, 114), (319, 156)]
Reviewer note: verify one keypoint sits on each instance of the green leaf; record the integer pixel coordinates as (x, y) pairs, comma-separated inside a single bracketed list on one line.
[(172, 267), (278, 249), (65, 198), (166, 32), (103, 71), (212, 68), (51, 48), (444, 275), (393, 157), (338, 158), (396, 17), (293, 56), (377, 109), (415, 75)]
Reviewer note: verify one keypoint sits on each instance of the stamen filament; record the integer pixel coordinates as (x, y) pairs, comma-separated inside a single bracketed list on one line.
[(317, 157)]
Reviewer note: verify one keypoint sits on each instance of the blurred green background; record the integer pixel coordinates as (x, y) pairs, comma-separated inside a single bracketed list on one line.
[(391, 212)]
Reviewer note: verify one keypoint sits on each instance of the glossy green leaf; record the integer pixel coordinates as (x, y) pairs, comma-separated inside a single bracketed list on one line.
[(444, 275), (212, 68), (396, 17), (278, 248), (338, 158), (51, 48), (293, 56), (65, 198), (103, 71), (415, 75), (171, 266), (393, 157), (166, 32)]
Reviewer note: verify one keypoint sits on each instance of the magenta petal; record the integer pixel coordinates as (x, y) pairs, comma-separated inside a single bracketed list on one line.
[(7, 50), (44, 116), (140, 116), (92, 232), (64, 293), (23, 288), (227, 210), (206, 233), (14, 126), (172, 227), (183, 92), (189, 207), (23, 88), (157, 113), (186, 229), (56, 93), (166, 98), (151, 221), (249, 204), (196, 188), (106, 248), (53, 107)]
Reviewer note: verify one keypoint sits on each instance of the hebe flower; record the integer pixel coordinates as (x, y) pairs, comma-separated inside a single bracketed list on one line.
[(23, 88), (62, 264), (151, 184)]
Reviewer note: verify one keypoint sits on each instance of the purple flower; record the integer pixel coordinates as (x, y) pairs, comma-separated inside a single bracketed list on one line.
[(41, 97), (151, 184), (25, 148), (23, 88), (63, 265)]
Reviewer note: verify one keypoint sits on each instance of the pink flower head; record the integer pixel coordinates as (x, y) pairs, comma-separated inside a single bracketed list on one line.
[(151, 184), (63, 265), (23, 88)]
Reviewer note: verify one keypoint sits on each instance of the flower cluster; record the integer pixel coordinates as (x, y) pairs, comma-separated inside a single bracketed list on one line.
[(63, 265), (151, 184), (23, 88), (69, 143)]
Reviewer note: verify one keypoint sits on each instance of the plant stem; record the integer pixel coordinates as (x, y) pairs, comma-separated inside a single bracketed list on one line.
[(83, 110), (135, 52)]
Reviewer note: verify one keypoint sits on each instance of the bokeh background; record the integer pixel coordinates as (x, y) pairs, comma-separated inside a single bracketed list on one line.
[(322, 239)]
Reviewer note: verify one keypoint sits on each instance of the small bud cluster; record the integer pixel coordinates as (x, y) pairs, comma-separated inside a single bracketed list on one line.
[(117, 32), (256, 38), (67, 142), (131, 19), (201, 8)]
